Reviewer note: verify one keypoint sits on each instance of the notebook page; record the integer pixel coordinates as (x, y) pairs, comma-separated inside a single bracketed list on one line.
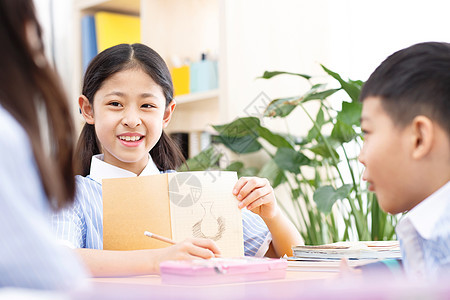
[(202, 205)]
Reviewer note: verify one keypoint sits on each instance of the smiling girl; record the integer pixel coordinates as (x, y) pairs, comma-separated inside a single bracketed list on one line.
[(127, 101)]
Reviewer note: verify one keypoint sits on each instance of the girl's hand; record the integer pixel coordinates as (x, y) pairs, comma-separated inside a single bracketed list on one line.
[(257, 195), (189, 249)]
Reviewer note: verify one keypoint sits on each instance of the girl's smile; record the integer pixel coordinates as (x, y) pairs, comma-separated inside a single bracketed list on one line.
[(131, 139)]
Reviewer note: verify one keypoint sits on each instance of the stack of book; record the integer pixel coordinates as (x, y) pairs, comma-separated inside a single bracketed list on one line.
[(106, 29), (328, 257)]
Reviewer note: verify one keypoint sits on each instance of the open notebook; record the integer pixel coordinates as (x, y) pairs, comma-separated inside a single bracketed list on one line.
[(174, 205)]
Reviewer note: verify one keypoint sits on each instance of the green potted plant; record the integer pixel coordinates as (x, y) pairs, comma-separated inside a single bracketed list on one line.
[(326, 205)]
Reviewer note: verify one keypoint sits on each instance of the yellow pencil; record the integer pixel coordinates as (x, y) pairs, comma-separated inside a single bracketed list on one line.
[(167, 240), (158, 237)]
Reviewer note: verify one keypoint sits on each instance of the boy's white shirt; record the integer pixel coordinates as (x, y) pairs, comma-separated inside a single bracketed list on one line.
[(422, 219), (101, 170), (427, 213)]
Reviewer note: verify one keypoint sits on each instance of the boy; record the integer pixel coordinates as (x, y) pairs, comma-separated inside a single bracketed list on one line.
[(406, 153)]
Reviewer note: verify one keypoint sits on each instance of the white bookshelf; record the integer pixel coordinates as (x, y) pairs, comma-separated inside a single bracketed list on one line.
[(182, 28), (212, 95)]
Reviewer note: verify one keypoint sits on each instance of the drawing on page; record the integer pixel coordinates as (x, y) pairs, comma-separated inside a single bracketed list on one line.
[(209, 226), (206, 208)]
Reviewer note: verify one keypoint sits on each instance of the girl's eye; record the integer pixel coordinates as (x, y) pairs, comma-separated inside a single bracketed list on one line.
[(114, 103), (147, 105)]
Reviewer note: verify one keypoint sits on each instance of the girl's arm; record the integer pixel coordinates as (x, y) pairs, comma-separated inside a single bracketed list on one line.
[(106, 263), (258, 196), (284, 234)]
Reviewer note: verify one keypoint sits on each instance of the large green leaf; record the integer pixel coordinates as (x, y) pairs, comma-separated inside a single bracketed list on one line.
[(273, 138), (239, 128), (326, 196), (290, 160), (238, 166), (350, 113), (205, 160), (244, 144), (352, 88), (270, 74), (248, 172), (235, 166), (319, 95), (343, 132), (281, 107), (273, 173), (322, 150)]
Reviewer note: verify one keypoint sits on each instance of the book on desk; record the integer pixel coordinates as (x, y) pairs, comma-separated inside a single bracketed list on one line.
[(327, 258)]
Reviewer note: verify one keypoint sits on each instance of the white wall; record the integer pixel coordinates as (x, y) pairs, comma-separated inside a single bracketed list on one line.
[(363, 33), (56, 18), (351, 37)]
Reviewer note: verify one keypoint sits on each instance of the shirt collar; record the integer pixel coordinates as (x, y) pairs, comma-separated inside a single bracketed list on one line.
[(427, 213), (101, 170)]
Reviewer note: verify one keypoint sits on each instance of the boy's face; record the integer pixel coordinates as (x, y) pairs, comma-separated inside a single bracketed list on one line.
[(386, 157)]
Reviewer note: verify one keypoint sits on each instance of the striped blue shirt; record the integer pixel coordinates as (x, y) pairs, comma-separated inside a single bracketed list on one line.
[(81, 226), (30, 257), (424, 235)]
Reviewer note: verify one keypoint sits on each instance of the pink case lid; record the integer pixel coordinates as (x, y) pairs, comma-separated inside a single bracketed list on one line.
[(225, 266)]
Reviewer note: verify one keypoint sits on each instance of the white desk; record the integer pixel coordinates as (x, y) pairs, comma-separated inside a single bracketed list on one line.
[(296, 285)]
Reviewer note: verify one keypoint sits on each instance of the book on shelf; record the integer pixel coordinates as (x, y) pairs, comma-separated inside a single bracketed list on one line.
[(88, 40), (114, 28), (105, 29)]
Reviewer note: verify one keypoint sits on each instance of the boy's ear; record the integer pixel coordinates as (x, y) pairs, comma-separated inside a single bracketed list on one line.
[(422, 134), (168, 113), (86, 109)]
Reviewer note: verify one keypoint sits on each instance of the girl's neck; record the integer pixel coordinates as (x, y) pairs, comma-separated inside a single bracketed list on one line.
[(134, 167)]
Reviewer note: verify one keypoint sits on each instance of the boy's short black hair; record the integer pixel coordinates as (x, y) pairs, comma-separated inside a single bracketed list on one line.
[(414, 81)]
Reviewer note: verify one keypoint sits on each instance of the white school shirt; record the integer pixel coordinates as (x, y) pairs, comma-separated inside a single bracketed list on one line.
[(424, 235), (30, 257), (81, 226)]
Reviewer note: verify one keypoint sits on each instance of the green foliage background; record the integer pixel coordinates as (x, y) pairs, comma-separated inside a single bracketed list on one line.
[(326, 207)]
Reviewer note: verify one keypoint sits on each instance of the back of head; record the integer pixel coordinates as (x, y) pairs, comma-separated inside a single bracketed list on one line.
[(27, 85), (165, 153), (414, 81)]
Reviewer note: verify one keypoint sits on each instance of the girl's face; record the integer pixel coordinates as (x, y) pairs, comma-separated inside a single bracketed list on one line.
[(129, 114)]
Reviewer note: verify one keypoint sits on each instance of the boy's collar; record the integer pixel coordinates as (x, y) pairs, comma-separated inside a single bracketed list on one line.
[(101, 170), (425, 214)]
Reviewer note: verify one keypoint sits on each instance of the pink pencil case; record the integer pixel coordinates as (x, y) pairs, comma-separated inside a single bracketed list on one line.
[(221, 270)]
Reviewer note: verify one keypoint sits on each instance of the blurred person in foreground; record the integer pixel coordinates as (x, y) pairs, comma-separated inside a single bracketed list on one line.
[(36, 173)]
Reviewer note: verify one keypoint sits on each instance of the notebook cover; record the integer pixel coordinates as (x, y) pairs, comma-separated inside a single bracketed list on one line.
[(132, 206)]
